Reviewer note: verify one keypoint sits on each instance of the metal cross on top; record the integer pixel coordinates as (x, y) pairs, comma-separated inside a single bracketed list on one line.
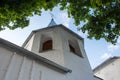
[(52, 16)]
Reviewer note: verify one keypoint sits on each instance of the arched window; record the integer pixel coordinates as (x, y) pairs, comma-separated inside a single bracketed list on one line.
[(47, 45)]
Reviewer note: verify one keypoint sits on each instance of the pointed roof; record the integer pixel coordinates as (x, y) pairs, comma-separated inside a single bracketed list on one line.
[(52, 23)]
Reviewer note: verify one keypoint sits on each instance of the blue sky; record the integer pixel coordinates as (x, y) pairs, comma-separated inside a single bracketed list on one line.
[(97, 50)]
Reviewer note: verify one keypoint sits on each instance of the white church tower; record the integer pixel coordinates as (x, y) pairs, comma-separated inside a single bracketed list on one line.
[(63, 47)]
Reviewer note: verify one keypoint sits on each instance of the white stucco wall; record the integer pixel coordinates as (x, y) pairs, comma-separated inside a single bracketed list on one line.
[(110, 71), (17, 67)]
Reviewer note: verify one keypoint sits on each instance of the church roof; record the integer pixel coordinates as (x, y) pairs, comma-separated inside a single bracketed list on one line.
[(54, 26), (106, 62), (22, 51)]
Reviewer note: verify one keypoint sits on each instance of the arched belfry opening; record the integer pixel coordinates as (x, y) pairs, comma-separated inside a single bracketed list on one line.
[(74, 47), (46, 43)]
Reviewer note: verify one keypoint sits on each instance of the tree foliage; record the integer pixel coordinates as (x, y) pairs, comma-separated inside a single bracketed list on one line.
[(101, 17)]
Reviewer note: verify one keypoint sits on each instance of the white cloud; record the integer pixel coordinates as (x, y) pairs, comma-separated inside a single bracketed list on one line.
[(63, 16), (118, 41), (106, 55), (84, 35), (112, 48)]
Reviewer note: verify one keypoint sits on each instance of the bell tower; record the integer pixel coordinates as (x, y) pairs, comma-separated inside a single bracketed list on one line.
[(61, 46), (56, 43)]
